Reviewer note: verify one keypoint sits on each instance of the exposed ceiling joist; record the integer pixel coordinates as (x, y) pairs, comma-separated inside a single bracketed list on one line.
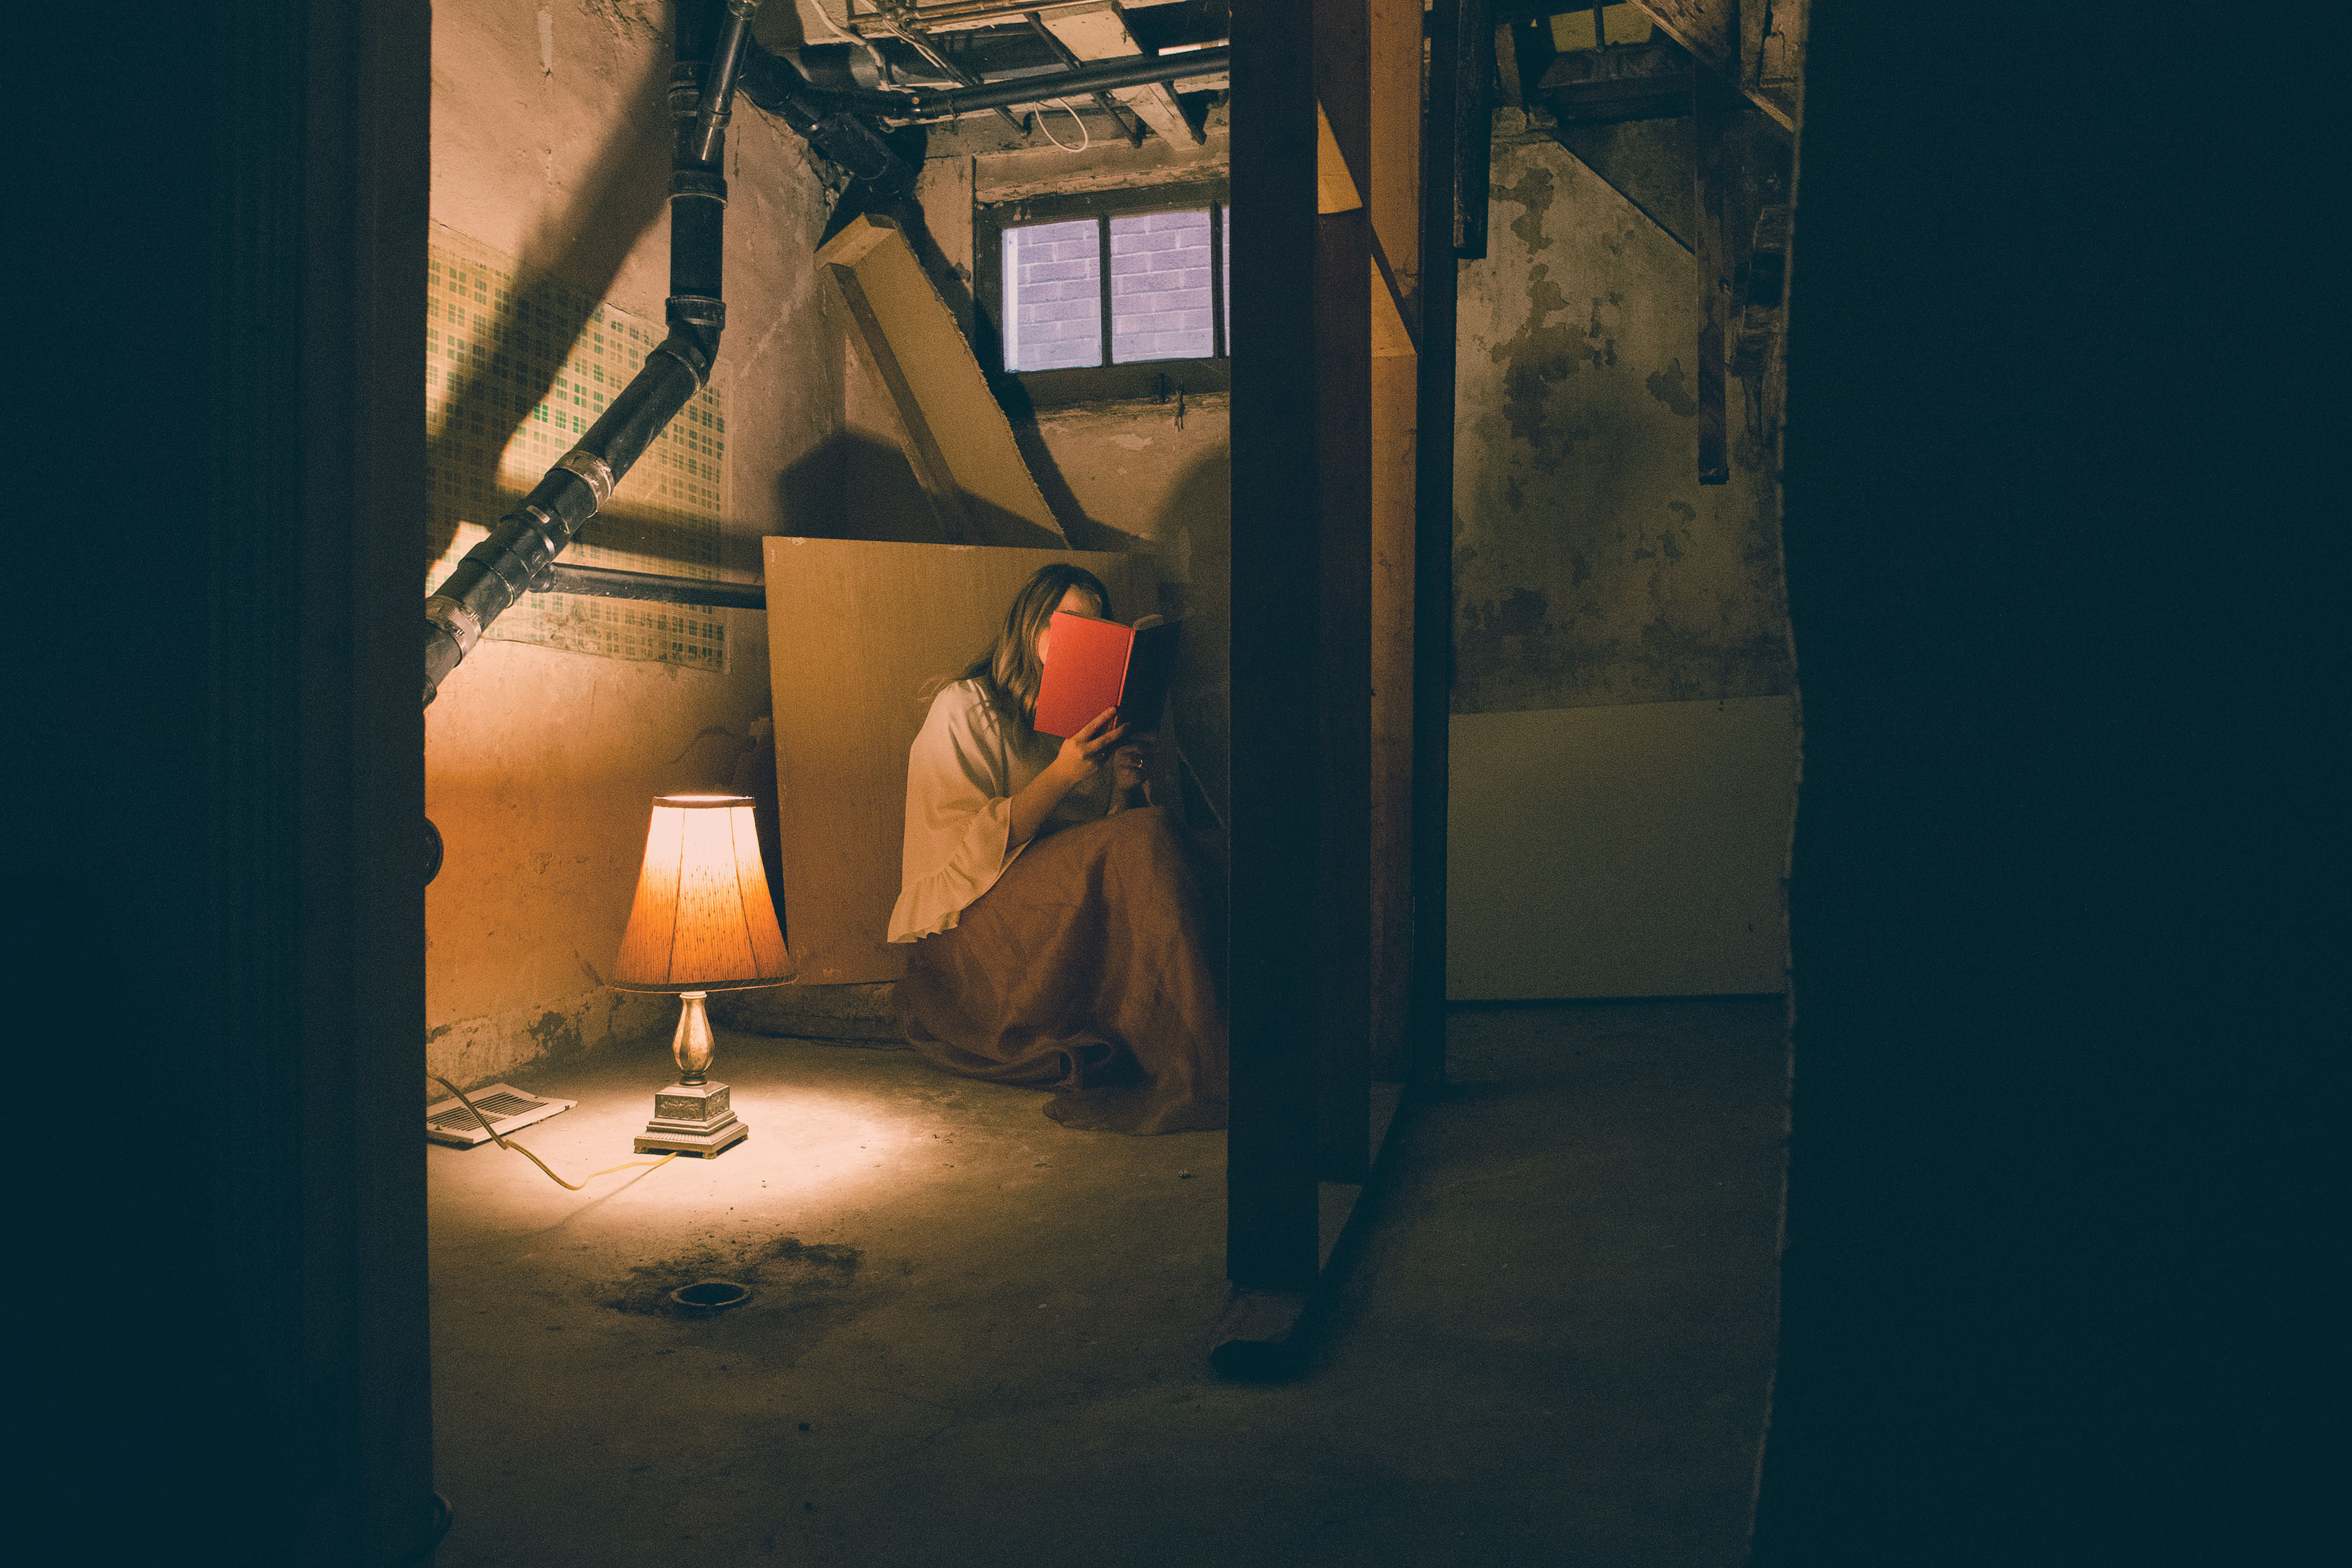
[(1759, 46), (1097, 31)]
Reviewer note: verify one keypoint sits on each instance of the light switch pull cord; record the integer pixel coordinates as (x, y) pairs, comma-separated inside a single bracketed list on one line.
[(575, 1186)]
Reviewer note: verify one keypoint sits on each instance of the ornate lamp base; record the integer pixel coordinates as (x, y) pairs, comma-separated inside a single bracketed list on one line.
[(692, 1116)]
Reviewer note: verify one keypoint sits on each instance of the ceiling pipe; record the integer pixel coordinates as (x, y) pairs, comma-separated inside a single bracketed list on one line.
[(603, 583), (825, 121), (1099, 74), (518, 557), (969, 11)]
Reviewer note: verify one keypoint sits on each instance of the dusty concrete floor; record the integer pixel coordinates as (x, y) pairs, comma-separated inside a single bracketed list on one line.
[(980, 1339)]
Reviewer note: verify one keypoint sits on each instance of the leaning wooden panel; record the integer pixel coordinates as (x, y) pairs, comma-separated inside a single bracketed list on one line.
[(856, 629), (957, 437)]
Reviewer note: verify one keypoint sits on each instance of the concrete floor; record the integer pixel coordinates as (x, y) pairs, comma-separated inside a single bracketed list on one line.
[(979, 1339)]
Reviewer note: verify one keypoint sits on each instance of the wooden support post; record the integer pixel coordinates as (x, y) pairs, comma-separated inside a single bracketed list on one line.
[(1714, 105), (1394, 58), (1344, 272), (1471, 143), (1393, 52), (1270, 1186), (1433, 566), (1342, 911)]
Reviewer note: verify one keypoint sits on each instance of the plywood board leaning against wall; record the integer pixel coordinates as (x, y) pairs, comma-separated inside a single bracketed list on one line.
[(856, 632)]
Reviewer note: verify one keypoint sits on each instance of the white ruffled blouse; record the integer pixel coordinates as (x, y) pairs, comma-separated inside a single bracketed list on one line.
[(962, 772)]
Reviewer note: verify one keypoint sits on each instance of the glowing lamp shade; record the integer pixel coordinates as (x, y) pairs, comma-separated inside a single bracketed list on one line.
[(703, 920)]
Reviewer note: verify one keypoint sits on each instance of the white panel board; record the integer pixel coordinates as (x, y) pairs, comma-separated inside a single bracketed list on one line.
[(1634, 851)]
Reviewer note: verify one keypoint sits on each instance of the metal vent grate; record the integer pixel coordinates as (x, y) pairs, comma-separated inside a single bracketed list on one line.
[(498, 1106), (508, 1109)]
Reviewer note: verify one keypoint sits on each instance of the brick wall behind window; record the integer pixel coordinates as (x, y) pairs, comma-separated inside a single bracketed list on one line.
[(1056, 289), (1160, 287)]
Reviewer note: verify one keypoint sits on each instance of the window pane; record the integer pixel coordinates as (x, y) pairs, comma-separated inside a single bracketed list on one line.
[(1160, 287), (1053, 296)]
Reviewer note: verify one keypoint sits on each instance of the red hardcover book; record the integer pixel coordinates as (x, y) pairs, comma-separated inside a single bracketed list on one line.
[(1092, 665)]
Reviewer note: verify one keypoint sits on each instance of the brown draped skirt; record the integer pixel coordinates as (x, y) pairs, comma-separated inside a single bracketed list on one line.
[(1085, 970)]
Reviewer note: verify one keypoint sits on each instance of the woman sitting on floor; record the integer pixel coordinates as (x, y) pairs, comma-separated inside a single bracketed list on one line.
[(1056, 920)]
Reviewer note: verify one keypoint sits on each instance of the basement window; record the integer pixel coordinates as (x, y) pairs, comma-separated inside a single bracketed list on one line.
[(1106, 295)]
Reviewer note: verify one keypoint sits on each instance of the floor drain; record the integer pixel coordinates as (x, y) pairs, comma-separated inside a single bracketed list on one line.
[(710, 1295)]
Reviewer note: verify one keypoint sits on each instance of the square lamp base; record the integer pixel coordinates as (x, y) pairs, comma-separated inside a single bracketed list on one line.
[(692, 1118)]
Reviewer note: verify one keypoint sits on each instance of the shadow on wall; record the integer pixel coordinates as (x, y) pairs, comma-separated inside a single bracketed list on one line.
[(1193, 539), (565, 270), (857, 487)]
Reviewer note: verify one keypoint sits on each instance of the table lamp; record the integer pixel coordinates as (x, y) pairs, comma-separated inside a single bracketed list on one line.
[(702, 922)]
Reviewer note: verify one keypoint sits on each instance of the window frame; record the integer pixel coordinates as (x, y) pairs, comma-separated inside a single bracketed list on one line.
[(1104, 382)]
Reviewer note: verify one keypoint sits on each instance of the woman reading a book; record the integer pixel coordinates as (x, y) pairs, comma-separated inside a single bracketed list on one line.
[(1056, 924)]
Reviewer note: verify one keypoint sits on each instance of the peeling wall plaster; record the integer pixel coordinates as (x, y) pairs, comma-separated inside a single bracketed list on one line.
[(1590, 566)]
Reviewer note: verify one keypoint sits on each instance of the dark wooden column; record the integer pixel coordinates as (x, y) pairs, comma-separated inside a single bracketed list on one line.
[(1442, 204), (1343, 304), (1468, 46), (218, 797), (1270, 1241)]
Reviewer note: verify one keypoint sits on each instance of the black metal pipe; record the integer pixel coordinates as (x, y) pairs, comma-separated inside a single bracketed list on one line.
[(818, 117), (602, 583), (518, 557), (726, 62), (1084, 81)]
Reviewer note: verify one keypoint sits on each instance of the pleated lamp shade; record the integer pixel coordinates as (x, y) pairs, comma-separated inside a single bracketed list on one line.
[(703, 920)]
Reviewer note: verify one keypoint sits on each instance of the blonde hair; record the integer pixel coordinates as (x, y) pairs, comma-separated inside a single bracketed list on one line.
[(1009, 672)]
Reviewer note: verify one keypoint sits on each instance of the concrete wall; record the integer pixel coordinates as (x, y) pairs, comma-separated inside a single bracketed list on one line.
[(549, 143), (1592, 570), (1132, 479), (1590, 565)]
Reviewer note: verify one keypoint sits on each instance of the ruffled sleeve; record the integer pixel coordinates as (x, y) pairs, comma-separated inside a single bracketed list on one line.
[(959, 786)]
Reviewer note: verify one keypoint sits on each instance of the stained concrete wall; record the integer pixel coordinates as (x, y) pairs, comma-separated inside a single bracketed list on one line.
[(1590, 566), (1592, 570), (550, 144)]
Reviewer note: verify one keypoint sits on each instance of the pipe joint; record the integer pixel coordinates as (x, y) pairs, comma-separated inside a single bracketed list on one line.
[(681, 348), (518, 555), (463, 628), (500, 562), (697, 185), (696, 324), (592, 470)]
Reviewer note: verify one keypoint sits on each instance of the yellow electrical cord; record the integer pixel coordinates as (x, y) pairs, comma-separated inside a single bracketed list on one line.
[(517, 1147)]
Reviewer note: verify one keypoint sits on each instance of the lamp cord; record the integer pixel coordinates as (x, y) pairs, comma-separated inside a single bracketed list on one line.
[(517, 1147)]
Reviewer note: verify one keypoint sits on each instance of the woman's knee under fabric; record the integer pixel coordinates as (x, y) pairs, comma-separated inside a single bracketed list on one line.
[(1142, 850), (1086, 956)]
